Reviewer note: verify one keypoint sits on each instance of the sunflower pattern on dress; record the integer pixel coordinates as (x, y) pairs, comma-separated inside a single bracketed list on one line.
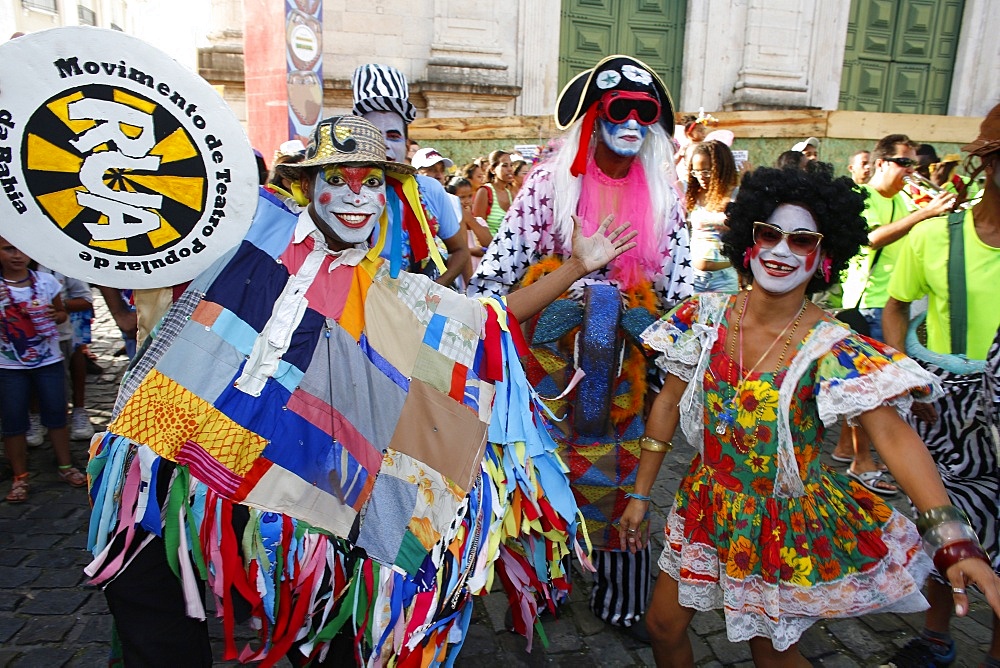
[(777, 563)]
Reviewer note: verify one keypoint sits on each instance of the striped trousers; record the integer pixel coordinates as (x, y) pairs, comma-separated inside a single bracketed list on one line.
[(621, 585)]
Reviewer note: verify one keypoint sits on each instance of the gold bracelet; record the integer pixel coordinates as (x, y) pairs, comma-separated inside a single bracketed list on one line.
[(651, 444)]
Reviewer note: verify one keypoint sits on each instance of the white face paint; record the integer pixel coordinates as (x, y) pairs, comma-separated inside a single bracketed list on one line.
[(349, 200), (778, 270), (624, 139), (393, 132)]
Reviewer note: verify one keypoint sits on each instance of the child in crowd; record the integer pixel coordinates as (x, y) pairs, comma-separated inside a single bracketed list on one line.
[(74, 336), (30, 359), (462, 189)]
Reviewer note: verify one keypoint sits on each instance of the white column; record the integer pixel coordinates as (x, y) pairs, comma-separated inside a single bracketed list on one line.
[(975, 81), (538, 57), (713, 53), (829, 40), (759, 54), (775, 71), (8, 18)]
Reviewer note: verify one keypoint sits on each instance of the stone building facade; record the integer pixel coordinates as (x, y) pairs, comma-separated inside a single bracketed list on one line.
[(469, 58)]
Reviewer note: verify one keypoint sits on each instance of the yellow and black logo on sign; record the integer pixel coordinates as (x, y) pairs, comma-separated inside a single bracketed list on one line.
[(114, 170)]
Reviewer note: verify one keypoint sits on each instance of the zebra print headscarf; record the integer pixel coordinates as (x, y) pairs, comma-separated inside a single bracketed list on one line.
[(381, 88)]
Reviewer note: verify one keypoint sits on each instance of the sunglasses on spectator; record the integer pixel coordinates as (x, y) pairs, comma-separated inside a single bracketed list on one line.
[(619, 106), (905, 163), (800, 242)]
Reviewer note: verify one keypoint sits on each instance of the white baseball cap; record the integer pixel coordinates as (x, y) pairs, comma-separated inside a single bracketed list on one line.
[(812, 141), (428, 157), (725, 136), (292, 147)]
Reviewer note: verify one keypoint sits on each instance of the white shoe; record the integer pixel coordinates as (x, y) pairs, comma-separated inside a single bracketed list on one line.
[(80, 428), (36, 432)]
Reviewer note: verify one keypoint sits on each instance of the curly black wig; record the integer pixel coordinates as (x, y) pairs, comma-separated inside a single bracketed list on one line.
[(835, 204)]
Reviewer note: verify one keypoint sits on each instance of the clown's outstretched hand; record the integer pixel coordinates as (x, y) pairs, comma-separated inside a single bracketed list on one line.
[(589, 254), (603, 245)]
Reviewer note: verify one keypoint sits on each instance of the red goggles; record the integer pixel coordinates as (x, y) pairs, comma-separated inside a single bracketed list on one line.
[(619, 106)]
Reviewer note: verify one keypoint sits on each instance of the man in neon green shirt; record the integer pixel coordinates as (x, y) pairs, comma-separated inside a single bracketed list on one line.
[(922, 270), (893, 158), (959, 429), (889, 221)]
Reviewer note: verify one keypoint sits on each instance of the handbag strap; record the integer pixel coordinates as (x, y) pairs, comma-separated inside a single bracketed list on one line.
[(868, 279), (957, 295), (878, 253)]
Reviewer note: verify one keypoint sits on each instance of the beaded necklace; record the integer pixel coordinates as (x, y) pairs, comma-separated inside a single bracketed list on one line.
[(32, 311), (727, 417)]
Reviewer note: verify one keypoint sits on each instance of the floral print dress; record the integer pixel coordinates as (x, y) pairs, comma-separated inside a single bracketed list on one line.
[(774, 560)]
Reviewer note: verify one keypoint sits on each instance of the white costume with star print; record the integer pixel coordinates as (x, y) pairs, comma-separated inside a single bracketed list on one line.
[(528, 233)]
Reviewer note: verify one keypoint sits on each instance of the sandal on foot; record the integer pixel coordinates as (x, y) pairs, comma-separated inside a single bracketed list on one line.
[(19, 490), (849, 460), (72, 477), (872, 481)]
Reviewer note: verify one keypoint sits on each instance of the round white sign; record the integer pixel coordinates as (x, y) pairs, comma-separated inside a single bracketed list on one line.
[(304, 45), (118, 166)]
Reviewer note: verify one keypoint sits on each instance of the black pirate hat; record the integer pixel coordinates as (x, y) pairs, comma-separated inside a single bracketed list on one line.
[(622, 73)]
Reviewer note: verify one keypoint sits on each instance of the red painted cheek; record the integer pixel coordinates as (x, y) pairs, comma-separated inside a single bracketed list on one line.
[(325, 198), (381, 200), (755, 251), (812, 261)]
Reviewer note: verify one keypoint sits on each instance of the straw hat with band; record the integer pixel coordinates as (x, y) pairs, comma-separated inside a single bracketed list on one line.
[(346, 140), (342, 140), (619, 88), (989, 135)]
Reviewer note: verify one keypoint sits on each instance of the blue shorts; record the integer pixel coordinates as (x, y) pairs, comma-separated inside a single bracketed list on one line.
[(49, 383), (720, 280), (874, 318), (81, 327)]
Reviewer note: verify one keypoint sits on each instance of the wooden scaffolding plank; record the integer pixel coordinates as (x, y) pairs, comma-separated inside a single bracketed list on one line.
[(798, 123), (919, 127)]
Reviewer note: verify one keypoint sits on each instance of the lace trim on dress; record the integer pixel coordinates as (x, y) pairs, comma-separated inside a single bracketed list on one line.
[(787, 481), (888, 386), (685, 349), (782, 612)]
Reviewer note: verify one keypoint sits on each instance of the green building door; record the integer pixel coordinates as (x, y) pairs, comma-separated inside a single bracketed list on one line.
[(900, 55), (650, 30)]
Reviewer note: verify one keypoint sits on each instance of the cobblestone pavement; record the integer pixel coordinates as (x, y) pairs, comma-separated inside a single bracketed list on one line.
[(50, 617)]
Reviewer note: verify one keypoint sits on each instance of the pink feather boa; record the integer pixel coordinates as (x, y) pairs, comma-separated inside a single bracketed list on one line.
[(628, 199)]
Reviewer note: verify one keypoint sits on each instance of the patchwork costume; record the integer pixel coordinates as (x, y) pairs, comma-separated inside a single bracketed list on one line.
[(595, 328), (332, 449), (759, 528)]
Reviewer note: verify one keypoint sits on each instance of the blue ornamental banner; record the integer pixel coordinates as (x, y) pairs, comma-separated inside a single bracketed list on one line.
[(304, 60)]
